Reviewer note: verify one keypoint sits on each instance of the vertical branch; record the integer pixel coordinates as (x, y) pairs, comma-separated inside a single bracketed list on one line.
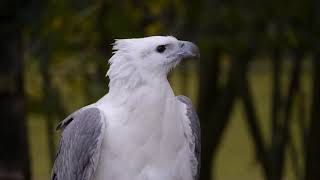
[(208, 91), (293, 153), (275, 110), (276, 95), (312, 156), (214, 123), (47, 99), (253, 120), (14, 151), (313, 145), (207, 97), (302, 121), (284, 134), (255, 129)]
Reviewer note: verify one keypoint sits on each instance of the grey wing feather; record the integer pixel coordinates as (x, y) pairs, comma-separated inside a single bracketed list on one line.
[(79, 147), (195, 127)]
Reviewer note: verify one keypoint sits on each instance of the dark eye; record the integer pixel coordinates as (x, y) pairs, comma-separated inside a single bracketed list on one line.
[(161, 48)]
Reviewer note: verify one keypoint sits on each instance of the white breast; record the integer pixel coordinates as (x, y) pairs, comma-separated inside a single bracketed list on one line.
[(146, 141)]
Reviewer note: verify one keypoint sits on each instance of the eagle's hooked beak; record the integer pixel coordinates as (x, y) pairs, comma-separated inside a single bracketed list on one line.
[(188, 50)]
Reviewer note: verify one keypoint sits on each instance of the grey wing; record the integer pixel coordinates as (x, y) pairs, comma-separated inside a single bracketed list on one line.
[(79, 147), (195, 127)]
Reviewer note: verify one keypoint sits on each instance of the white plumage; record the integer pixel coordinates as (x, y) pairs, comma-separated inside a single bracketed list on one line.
[(147, 133)]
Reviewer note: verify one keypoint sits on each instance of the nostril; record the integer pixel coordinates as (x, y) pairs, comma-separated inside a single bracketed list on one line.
[(182, 45)]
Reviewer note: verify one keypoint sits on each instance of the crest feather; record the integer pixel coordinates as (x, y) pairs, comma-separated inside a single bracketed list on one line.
[(120, 44)]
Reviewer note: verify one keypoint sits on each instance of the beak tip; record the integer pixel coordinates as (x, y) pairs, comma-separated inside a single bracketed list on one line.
[(196, 52), (190, 50)]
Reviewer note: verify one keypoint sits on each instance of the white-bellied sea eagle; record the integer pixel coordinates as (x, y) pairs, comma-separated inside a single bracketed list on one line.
[(140, 130)]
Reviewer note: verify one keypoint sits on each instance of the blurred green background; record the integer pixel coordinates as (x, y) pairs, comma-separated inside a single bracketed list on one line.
[(256, 87)]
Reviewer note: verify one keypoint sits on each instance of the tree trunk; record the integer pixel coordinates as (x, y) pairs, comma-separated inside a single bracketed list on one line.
[(217, 118), (48, 99), (253, 121), (313, 145), (14, 154), (284, 134), (207, 97)]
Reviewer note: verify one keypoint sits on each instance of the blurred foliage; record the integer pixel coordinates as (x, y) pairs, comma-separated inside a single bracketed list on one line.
[(68, 42)]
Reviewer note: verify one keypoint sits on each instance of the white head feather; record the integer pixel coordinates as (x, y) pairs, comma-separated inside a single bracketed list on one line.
[(139, 60)]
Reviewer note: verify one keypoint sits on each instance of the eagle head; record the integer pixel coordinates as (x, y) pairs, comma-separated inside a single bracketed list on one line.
[(150, 56)]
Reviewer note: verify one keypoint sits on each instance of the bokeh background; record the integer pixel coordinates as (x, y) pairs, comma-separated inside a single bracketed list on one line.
[(256, 87)]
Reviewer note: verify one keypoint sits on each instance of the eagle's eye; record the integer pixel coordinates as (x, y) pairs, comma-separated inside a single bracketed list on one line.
[(161, 48)]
